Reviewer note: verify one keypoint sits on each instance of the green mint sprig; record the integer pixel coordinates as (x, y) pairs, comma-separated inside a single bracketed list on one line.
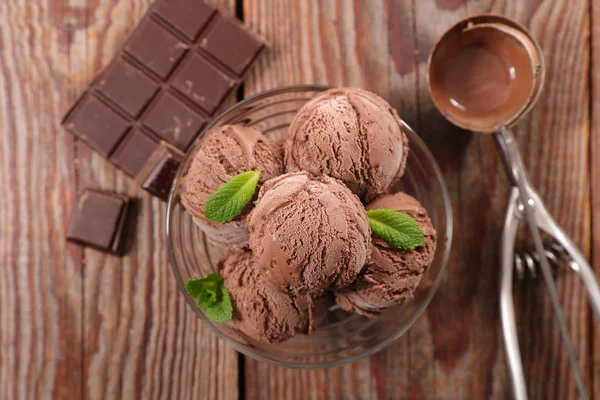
[(212, 295), (538, 69), (229, 200), (398, 229)]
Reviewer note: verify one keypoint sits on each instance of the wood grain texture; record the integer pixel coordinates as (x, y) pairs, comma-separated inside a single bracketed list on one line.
[(141, 340), (554, 141), (554, 144), (364, 44), (40, 276), (82, 324), (455, 351), (457, 324), (595, 179), (337, 43)]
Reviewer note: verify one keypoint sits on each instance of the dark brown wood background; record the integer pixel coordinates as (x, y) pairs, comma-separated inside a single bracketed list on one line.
[(76, 323)]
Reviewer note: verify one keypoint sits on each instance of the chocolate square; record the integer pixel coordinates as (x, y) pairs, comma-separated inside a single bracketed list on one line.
[(133, 152), (96, 123), (156, 177), (202, 82), (165, 81), (229, 42), (173, 121), (155, 47), (98, 221), (127, 86), (187, 16)]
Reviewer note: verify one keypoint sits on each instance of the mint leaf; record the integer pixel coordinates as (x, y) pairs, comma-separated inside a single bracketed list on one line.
[(194, 287), (211, 295), (538, 69), (223, 310), (228, 201), (212, 278), (208, 298), (398, 229)]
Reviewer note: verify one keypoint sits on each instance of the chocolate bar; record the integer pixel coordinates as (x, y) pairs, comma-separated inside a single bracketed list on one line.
[(166, 83), (157, 174), (99, 221)]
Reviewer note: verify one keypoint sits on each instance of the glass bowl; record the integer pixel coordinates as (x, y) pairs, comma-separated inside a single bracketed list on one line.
[(343, 337)]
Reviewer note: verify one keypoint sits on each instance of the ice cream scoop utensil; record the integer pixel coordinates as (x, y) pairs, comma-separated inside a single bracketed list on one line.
[(526, 205), (484, 74), (557, 255), (527, 262)]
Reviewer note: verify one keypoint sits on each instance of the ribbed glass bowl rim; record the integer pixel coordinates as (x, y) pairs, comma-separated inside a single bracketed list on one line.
[(335, 363)]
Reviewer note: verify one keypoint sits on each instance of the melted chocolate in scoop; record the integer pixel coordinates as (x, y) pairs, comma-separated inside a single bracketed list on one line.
[(483, 76)]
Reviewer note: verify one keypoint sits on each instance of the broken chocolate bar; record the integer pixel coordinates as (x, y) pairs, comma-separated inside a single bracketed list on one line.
[(98, 221), (166, 83), (157, 175)]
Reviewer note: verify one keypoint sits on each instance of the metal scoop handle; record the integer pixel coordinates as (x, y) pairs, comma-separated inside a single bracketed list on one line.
[(507, 307), (530, 203)]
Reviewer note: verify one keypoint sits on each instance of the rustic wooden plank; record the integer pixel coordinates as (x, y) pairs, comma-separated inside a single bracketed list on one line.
[(456, 352), (431, 339), (433, 359), (140, 337), (352, 44), (595, 180), (40, 275), (554, 141), (459, 365), (406, 369), (465, 311), (468, 360)]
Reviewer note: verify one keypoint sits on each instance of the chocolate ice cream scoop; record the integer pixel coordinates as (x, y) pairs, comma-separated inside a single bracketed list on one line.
[(261, 312), (309, 233), (351, 135), (231, 150), (392, 275)]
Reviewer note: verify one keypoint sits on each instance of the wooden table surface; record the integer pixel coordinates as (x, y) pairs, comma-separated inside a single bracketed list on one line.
[(76, 323)]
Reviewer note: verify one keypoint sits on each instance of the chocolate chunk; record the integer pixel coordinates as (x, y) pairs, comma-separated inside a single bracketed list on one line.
[(187, 16), (127, 86), (170, 78), (98, 221), (97, 124), (202, 83), (133, 152), (229, 42), (159, 171), (155, 47), (171, 120)]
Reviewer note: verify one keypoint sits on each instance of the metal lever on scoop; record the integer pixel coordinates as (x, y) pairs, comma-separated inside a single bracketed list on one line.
[(577, 261), (530, 202)]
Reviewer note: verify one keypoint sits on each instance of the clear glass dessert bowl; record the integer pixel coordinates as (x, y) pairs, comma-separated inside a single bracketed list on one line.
[(343, 337)]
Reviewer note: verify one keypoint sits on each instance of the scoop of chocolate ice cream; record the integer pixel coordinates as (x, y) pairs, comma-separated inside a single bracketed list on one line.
[(392, 275), (225, 153), (351, 135), (309, 233), (261, 312)]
